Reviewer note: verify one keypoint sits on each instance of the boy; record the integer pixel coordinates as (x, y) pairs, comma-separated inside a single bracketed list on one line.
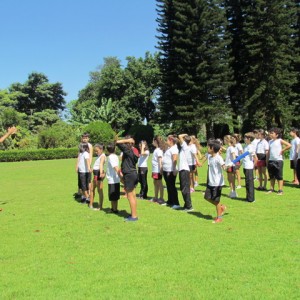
[(215, 179), (128, 167), (293, 152), (249, 162), (275, 159), (113, 178), (184, 171)]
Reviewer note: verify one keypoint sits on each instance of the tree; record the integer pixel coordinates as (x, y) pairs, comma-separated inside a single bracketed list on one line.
[(37, 94)]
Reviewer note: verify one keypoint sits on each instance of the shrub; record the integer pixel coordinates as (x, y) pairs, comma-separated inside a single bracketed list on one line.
[(39, 154), (100, 132), (59, 135)]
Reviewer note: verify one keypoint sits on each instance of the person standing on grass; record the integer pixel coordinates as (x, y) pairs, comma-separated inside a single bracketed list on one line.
[(275, 159), (99, 175), (262, 150), (215, 179), (84, 170), (113, 178), (184, 171), (128, 167), (170, 171), (143, 169), (293, 152), (249, 162), (157, 170), (9, 132)]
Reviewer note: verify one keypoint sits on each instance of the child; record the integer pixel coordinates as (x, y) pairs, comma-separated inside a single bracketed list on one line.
[(184, 171), (262, 150), (215, 179), (193, 162), (239, 150), (275, 159), (84, 171), (231, 154), (248, 163), (128, 167), (157, 171), (170, 171), (99, 175), (113, 178), (293, 153), (143, 169)]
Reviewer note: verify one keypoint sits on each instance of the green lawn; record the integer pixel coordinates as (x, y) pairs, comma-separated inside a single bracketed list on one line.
[(55, 248)]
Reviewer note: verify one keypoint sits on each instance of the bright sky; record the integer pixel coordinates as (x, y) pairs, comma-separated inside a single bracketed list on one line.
[(66, 39)]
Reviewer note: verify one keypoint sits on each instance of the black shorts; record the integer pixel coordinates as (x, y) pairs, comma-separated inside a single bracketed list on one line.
[(114, 191), (192, 168), (292, 164), (130, 181), (213, 193), (275, 169), (97, 175), (85, 179)]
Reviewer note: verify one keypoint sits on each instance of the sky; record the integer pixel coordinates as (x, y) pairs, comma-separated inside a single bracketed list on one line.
[(67, 39)]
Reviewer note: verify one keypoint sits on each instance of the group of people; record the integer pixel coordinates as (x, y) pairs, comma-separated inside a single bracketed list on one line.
[(261, 158)]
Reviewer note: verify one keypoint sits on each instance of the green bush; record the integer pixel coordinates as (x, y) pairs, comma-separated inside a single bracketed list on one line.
[(100, 132), (39, 154), (59, 135)]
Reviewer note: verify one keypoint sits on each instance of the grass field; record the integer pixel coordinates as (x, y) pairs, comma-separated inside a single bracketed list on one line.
[(52, 247)]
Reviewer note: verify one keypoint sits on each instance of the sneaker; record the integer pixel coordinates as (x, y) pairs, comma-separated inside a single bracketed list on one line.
[(239, 187), (280, 193), (131, 219), (192, 190), (175, 207), (188, 209), (218, 220)]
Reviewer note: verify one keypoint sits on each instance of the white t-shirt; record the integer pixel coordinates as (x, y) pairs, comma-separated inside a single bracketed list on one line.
[(185, 151), (167, 159), (215, 171), (262, 146), (155, 160), (111, 174), (248, 161), (83, 164), (143, 159), (191, 156), (293, 151), (97, 162), (229, 155), (275, 149)]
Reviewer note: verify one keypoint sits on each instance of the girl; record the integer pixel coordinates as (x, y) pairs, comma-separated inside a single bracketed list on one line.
[(128, 168), (84, 170), (143, 169), (170, 171), (157, 170), (99, 175), (231, 154), (262, 150)]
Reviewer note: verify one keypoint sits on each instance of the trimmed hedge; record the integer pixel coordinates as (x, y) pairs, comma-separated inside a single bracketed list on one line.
[(39, 154)]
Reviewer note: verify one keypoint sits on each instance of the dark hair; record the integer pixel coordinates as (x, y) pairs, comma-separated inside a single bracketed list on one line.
[(276, 130), (84, 147), (111, 147), (214, 145)]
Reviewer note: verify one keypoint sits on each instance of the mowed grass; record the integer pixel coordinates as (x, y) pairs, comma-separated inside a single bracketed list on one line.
[(52, 247)]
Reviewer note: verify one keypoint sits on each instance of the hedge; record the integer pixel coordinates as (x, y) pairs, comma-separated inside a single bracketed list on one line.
[(39, 154)]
